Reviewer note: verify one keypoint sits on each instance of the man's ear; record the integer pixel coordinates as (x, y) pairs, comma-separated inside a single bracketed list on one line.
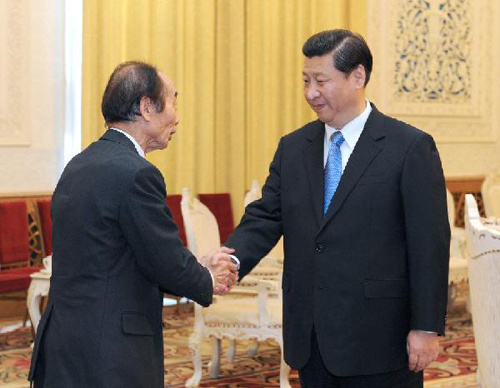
[(358, 76), (146, 108)]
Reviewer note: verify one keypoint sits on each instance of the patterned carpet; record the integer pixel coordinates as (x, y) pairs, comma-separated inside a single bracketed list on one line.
[(455, 366)]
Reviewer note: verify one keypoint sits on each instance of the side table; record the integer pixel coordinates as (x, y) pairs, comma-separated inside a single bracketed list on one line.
[(39, 287)]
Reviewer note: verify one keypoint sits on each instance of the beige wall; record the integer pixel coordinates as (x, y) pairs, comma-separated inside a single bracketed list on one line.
[(31, 94), (452, 94)]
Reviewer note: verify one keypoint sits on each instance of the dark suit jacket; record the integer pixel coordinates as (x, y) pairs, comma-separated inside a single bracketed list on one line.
[(115, 247), (375, 266)]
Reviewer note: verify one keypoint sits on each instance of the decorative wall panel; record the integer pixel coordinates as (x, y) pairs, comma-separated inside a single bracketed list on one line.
[(433, 51), (436, 66), (12, 71), (431, 60), (32, 94)]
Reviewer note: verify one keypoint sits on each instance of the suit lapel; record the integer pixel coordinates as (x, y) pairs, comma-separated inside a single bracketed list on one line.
[(313, 159), (366, 149)]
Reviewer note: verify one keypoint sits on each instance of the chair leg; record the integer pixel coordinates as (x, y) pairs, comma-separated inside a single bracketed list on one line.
[(26, 312), (254, 347), (231, 351), (215, 362), (26, 317), (452, 294), (194, 346)]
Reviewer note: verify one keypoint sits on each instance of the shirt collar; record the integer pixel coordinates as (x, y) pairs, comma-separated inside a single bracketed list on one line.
[(352, 130), (140, 151)]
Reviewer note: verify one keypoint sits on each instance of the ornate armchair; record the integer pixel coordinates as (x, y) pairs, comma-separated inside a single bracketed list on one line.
[(202, 232), (458, 252), (458, 246), (239, 318), (490, 190), (483, 243), (202, 235), (15, 264), (251, 311)]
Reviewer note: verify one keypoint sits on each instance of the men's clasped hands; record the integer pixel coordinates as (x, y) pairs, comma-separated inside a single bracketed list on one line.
[(223, 269)]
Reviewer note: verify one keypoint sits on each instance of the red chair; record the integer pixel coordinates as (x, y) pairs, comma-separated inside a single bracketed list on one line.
[(43, 206), (15, 266), (220, 205), (174, 204)]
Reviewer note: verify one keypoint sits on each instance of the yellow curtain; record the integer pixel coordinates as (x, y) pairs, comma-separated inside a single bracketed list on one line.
[(237, 67)]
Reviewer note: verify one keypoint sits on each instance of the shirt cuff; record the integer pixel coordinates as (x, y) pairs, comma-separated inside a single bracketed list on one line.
[(212, 276), (236, 260)]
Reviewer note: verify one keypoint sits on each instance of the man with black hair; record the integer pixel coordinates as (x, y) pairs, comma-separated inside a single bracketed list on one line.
[(360, 200), (116, 248)]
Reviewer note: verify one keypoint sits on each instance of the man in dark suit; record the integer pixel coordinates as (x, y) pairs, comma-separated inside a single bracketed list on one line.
[(360, 200), (116, 248)]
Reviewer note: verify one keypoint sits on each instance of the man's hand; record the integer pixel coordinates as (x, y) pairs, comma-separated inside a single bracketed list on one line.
[(223, 269), (423, 348)]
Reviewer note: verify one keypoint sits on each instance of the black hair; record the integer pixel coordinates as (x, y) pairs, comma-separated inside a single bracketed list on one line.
[(127, 85), (349, 50)]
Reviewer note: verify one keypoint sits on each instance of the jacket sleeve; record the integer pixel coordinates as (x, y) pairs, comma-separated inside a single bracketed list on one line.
[(151, 232), (427, 234), (261, 226)]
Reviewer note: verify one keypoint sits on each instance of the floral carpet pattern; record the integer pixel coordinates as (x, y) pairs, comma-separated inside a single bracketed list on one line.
[(455, 366)]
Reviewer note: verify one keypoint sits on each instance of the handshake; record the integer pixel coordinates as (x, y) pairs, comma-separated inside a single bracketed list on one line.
[(223, 269)]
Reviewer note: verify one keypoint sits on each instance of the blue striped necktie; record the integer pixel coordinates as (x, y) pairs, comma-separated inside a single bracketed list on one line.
[(333, 169)]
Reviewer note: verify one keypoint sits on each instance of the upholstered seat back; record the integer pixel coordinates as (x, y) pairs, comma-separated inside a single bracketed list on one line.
[(220, 206), (14, 233), (202, 232)]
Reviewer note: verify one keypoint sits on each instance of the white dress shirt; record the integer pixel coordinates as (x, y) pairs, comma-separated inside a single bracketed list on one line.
[(351, 132)]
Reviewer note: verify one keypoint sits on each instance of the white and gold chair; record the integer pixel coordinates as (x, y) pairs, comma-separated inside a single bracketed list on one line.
[(490, 190), (458, 246), (483, 243), (251, 311), (458, 253)]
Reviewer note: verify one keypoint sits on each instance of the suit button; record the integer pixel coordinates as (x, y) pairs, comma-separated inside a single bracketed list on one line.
[(319, 248)]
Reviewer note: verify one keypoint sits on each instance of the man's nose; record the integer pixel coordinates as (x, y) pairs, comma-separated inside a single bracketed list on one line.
[(311, 92)]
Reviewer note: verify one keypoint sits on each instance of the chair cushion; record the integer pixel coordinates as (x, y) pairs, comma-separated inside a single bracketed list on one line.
[(21, 270), (241, 312), (14, 232), (10, 282)]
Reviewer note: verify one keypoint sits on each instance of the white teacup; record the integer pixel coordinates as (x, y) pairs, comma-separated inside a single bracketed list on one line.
[(47, 263)]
